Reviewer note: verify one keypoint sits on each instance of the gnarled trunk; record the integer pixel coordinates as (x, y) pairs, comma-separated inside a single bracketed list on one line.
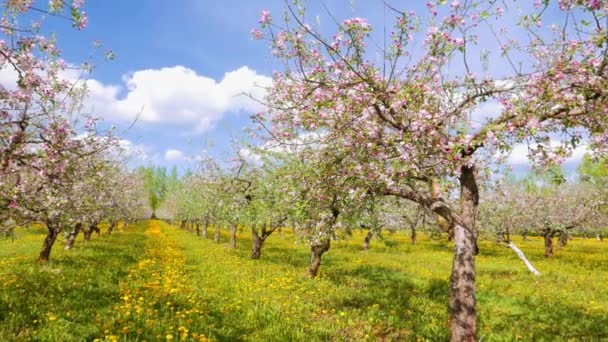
[(462, 302), (548, 235), (197, 226), (232, 236), (91, 228), (53, 230), (368, 239), (111, 227), (257, 242), (413, 235), (72, 237), (316, 252)]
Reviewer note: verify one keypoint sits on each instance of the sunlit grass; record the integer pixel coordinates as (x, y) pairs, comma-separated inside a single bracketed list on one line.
[(169, 284), (67, 298)]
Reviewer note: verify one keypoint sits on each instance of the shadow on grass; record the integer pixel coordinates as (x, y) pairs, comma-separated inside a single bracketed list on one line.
[(538, 320), (69, 290)]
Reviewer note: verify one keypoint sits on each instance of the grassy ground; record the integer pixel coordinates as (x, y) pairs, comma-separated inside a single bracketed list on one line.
[(156, 282)]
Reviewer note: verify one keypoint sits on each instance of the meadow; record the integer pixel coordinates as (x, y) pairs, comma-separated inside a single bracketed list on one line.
[(158, 282)]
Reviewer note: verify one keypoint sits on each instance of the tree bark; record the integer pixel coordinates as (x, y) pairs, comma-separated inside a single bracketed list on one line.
[(111, 227), (72, 237), (197, 225), (232, 236), (91, 228), (216, 237), (87, 234), (563, 240), (124, 225), (462, 302), (523, 258), (257, 242), (413, 235), (53, 230), (316, 252), (548, 235), (368, 239)]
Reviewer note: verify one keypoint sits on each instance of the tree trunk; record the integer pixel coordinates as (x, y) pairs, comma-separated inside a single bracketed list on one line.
[(124, 225), (87, 234), (232, 236), (216, 238), (91, 228), (462, 302), (368, 239), (413, 236), (524, 235), (316, 252), (111, 227), (563, 240), (257, 242), (153, 217), (72, 237), (53, 231), (521, 255), (205, 226), (197, 225), (182, 224), (548, 243), (191, 226)]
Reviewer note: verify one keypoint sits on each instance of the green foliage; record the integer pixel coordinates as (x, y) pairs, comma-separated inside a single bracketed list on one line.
[(594, 171), (157, 184), (167, 283)]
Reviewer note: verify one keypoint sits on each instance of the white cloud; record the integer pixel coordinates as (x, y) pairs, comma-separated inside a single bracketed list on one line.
[(172, 155), (134, 152), (178, 95)]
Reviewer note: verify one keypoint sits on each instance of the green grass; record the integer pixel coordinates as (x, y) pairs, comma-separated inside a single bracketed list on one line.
[(67, 298), (166, 283)]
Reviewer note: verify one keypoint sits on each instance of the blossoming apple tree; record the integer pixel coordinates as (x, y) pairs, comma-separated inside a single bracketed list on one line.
[(49, 150), (411, 116)]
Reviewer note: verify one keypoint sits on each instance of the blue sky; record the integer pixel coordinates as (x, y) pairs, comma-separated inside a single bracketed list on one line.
[(180, 64)]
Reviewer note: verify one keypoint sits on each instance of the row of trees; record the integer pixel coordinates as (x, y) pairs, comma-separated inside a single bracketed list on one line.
[(56, 166), (354, 118), (278, 193), (404, 112)]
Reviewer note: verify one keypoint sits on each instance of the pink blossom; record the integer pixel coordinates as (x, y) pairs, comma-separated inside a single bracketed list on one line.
[(256, 34), (265, 18)]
